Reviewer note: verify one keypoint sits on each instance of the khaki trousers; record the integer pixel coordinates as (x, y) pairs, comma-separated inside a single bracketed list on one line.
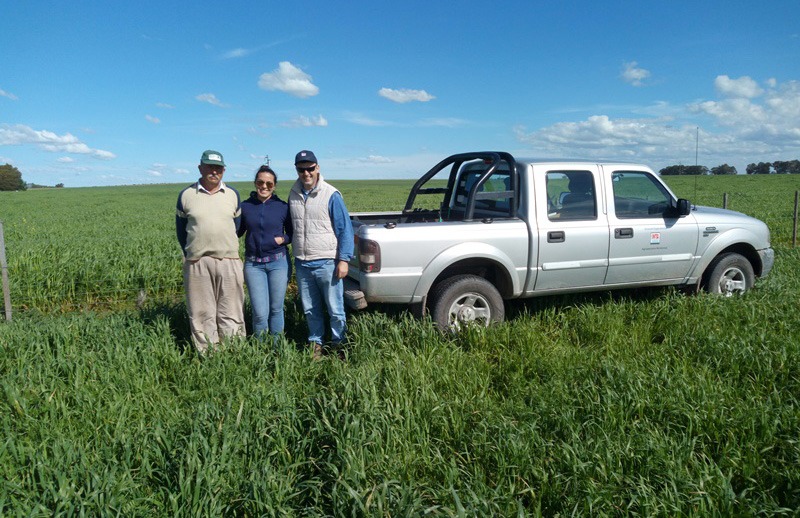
[(214, 300)]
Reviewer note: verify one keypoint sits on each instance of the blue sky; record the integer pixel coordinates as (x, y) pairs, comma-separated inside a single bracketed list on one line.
[(113, 93)]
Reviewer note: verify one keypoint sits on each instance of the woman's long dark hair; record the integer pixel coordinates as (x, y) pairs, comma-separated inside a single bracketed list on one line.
[(266, 169)]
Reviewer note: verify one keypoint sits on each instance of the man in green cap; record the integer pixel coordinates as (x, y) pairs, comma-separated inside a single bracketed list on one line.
[(206, 219)]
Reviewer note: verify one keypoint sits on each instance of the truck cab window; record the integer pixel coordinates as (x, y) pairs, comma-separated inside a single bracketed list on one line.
[(571, 195), (639, 195), (499, 182)]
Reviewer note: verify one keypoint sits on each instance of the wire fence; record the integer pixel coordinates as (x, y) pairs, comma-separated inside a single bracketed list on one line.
[(779, 212), (725, 205)]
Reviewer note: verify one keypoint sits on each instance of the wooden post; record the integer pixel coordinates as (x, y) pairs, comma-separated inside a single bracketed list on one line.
[(725, 200), (4, 266), (794, 221)]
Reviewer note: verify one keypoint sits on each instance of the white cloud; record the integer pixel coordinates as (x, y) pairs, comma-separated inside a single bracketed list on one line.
[(105, 155), (731, 112), (210, 99), (744, 87), (289, 79), (634, 75), (154, 120), (405, 95), (376, 159), (303, 121), (770, 116), (242, 52), (11, 96), (446, 122), (363, 120), (66, 159), (153, 172), (236, 53), (182, 171), (600, 133), (165, 105), (740, 130), (19, 134)]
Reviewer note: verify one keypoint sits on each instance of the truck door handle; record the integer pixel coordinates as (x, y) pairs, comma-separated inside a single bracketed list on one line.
[(623, 233), (555, 236)]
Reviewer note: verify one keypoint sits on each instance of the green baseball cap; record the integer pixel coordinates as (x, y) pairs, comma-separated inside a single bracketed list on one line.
[(212, 157)]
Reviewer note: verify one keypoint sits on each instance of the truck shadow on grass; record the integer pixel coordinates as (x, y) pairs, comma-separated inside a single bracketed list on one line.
[(520, 308), (516, 308), (296, 331)]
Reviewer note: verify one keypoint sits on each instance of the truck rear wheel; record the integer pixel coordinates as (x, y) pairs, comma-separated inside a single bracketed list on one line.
[(729, 274), (465, 299)]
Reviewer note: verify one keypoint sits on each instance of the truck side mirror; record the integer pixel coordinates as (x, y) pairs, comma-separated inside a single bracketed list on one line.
[(683, 207)]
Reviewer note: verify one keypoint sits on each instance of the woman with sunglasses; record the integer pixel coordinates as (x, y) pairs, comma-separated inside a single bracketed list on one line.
[(267, 228)]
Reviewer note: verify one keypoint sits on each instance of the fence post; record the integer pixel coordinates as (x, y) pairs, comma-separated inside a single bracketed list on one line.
[(724, 200), (4, 267), (794, 221)]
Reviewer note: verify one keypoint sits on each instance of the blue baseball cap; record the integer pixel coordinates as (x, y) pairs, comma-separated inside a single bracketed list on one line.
[(305, 156)]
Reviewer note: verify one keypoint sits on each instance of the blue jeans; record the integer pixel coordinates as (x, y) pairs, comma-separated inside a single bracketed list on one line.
[(319, 288), (266, 283)]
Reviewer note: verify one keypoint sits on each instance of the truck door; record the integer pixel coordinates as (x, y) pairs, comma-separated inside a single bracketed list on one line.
[(648, 241), (573, 229)]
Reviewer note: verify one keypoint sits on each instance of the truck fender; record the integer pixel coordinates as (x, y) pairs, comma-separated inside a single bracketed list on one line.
[(460, 252), (738, 238)]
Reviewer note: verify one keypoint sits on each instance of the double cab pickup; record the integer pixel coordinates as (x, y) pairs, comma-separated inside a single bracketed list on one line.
[(480, 228)]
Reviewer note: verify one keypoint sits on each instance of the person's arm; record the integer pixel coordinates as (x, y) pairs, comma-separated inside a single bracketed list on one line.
[(343, 229), (237, 216), (288, 229), (241, 227), (181, 221)]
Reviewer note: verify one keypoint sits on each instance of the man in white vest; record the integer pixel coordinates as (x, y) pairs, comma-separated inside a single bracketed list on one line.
[(322, 247)]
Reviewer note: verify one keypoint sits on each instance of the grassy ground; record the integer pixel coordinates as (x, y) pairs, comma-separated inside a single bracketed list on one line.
[(645, 402)]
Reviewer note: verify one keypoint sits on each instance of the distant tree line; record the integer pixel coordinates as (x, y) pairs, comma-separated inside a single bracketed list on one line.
[(11, 179), (37, 186), (778, 167)]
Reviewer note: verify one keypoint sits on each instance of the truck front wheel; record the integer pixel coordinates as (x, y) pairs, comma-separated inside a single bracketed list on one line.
[(729, 274), (465, 299)]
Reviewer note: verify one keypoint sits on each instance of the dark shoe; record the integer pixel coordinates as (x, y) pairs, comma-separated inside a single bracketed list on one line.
[(316, 351)]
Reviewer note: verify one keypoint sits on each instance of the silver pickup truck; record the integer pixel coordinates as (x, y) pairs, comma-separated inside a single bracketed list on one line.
[(482, 227)]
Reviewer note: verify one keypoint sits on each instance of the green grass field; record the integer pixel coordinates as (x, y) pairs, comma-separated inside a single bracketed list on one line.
[(646, 402)]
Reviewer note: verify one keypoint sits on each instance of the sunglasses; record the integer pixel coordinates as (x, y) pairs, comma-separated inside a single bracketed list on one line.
[(262, 183), (301, 170)]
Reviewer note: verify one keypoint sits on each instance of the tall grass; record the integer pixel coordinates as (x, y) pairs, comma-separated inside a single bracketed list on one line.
[(633, 402), (107, 247)]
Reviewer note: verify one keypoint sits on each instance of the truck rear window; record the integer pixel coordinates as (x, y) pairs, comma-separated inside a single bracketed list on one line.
[(499, 183)]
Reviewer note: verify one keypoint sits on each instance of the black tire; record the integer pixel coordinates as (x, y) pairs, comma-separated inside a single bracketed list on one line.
[(464, 299), (729, 274)]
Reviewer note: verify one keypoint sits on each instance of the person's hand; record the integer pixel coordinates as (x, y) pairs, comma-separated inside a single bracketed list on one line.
[(279, 240), (341, 269)]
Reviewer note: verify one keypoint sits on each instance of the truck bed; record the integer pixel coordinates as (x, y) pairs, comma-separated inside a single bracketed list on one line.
[(396, 217)]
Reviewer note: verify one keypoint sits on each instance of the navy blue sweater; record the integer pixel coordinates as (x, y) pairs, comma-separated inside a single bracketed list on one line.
[(262, 222)]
